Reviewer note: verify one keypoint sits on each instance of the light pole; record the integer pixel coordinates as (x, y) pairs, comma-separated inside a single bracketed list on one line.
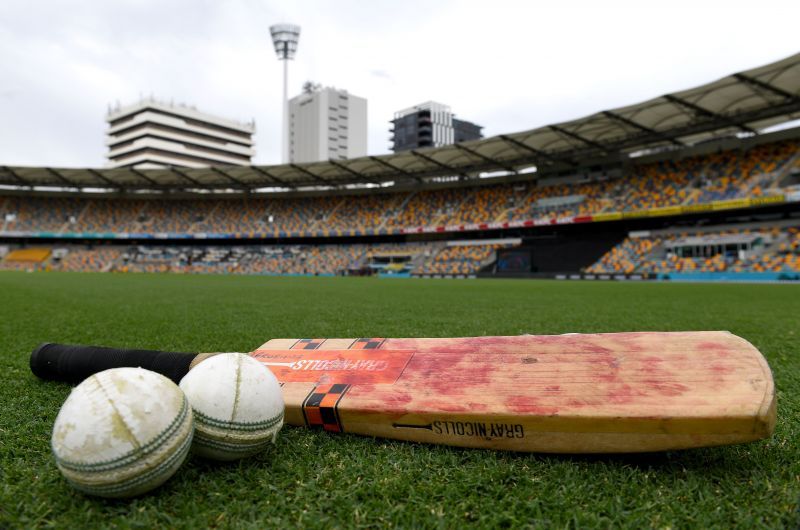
[(285, 37)]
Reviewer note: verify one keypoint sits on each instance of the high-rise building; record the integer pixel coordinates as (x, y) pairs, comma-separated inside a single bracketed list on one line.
[(430, 124), (326, 124), (153, 134)]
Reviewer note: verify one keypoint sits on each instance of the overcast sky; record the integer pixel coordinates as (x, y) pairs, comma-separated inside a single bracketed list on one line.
[(506, 65)]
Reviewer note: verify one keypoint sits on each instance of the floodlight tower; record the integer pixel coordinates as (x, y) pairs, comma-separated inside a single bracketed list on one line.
[(285, 37)]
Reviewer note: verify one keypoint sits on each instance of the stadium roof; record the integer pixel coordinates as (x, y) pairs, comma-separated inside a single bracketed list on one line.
[(744, 102)]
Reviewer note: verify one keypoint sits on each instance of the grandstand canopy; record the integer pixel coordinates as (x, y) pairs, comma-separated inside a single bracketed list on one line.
[(744, 102)]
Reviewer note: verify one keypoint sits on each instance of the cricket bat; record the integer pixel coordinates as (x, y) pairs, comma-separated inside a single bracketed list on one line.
[(574, 393)]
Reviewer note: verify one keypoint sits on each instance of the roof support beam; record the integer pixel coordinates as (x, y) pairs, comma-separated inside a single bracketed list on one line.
[(765, 86), (402, 171), (145, 177), (641, 127), (700, 111), (359, 176), (104, 179), (310, 174), (62, 178), (270, 176), (489, 159), (187, 177), (578, 137), (232, 179), (536, 152), (780, 110), (19, 179), (437, 163)]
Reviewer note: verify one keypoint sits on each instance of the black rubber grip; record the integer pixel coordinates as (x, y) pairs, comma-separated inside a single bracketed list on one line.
[(73, 364)]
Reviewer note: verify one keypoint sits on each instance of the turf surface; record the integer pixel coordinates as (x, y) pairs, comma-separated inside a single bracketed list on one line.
[(312, 479)]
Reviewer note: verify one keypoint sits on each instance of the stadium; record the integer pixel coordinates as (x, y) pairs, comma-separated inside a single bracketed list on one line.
[(681, 186), (677, 213)]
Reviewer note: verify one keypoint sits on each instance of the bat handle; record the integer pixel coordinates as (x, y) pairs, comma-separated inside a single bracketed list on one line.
[(73, 364)]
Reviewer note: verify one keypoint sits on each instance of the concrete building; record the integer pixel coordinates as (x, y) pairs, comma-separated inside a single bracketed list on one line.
[(153, 134), (430, 124), (326, 124)]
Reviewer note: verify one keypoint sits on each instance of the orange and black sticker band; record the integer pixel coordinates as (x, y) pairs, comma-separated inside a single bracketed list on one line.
[(367, 344), (308, 344), (364, 343), (320, 407)]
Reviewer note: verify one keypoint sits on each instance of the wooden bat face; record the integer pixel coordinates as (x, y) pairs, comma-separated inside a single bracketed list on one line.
[(619, 392)]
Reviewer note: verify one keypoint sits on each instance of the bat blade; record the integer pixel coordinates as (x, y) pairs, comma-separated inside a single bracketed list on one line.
[(592, 393), (596, 393)]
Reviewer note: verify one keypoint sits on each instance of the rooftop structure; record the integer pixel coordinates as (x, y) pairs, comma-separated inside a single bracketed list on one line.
[(156, 134), (430, 124)]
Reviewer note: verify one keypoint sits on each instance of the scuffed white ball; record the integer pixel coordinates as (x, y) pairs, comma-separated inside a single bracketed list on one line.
[(237, 403), (122, 432)]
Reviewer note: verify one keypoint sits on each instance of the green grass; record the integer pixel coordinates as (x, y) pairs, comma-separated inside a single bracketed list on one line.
[(313, 479)]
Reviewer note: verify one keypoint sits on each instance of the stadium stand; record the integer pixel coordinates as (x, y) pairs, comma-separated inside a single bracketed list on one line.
[(110, 215), (21, 213), (427, 208), (457, 260), (694, 180), (364, 213), (749, 249), (26, 259), (674, 182), (28, 255), (626, 257), (88, 260), (392, 259)]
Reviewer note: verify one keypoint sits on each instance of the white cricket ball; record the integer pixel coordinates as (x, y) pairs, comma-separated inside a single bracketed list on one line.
[(122, 432), (237, 404)]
